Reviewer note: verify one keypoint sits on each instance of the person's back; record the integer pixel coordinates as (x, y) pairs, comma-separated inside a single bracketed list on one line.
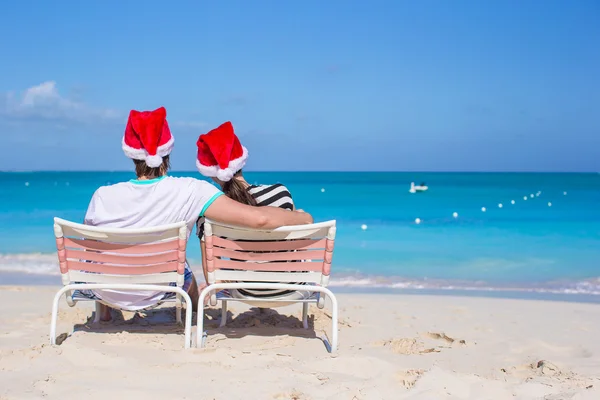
[(151, 202)]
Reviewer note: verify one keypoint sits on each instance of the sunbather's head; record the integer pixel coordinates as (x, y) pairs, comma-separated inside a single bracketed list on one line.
[(142, 170), (148, 141), (221, 157)]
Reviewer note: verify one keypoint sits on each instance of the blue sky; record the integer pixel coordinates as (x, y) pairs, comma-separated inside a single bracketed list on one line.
[(309, 85)]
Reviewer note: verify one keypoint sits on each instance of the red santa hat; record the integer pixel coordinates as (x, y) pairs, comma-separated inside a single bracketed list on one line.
[(148, 137), (220, 153)]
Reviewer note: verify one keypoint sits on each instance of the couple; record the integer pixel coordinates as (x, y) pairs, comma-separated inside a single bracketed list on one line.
[(154, 198)]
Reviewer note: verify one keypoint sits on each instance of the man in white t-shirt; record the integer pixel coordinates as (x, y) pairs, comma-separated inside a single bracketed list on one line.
[(157, 199)]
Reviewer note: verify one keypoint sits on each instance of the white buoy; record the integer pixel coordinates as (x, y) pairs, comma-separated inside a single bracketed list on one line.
[(26, 183), (524, 197), (418, 221), (500, 205), (455, 215), (363, 227), (564, 193), (483, 209), (322, 190), (531, 195), (512, 202), (549, 204)]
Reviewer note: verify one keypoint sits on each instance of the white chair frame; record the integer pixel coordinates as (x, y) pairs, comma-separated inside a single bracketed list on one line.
[(314, 280), (164, 268)]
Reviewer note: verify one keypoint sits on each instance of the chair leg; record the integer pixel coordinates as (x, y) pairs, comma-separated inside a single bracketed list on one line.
[(188, 320), (223, 313), (334, 323), (178, 309), (305, 315), (54, 317), (97, 312), (178, 306), (178, 315), (200, 319)]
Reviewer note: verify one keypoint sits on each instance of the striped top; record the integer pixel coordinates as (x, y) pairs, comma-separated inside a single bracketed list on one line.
[(265, 195), (272, 195)]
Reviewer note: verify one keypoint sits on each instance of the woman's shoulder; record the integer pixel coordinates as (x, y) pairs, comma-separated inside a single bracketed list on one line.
[(276, 195), (262, 189), (265, 186)]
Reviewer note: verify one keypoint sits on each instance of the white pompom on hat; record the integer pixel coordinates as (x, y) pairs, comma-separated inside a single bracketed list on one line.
[(148, 137)]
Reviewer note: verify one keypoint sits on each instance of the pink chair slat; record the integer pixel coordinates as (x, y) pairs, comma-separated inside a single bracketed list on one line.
[(181, 256), (285, 256), (271, 267), (122, 259), (122, 270), (328, 257), (62, 257), (288, 245), (329, 246), (125, 248), (210, 261)]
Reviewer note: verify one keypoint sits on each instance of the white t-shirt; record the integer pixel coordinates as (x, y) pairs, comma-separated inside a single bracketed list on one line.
[(143, 204)]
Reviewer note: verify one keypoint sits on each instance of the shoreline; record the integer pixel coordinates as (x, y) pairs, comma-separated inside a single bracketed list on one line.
[(33, 280)]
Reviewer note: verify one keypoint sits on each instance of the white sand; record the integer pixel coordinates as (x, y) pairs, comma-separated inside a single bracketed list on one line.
[(391, 347)]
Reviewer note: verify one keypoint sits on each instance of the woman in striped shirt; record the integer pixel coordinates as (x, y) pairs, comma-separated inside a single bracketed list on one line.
[(222, 157)]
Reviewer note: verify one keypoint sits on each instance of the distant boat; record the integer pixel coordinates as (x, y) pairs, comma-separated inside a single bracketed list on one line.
[(420, 188)]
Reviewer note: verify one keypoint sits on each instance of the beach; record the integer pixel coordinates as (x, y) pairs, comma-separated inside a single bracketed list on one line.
[(391, 347)]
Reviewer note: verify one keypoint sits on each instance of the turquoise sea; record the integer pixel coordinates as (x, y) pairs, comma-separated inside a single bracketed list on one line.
[(549, 243)]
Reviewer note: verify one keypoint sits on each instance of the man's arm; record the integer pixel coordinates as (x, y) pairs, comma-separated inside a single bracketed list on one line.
[(228, 211)]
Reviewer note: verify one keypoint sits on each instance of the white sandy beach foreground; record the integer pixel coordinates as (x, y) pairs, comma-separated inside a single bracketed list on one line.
[(391, 347)]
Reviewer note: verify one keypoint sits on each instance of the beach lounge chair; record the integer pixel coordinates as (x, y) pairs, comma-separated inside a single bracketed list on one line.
[(240, 258), (150, 259)]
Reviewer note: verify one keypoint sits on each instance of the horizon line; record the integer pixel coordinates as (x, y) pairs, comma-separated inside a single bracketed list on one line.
[(322, 171)]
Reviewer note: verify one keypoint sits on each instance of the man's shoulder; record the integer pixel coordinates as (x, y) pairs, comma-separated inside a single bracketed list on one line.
[(181, 179), (185, 181), (107, 189), (176, 185)]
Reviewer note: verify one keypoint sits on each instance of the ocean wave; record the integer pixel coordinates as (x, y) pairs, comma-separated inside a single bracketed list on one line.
[(47, 264), (584, 287), (30, 263)]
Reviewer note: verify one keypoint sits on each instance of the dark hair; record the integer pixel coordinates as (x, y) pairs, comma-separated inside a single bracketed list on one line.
[(142, 169), (235, 190)]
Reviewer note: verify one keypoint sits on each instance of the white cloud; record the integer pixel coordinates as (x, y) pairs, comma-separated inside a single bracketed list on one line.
[(44, 102)]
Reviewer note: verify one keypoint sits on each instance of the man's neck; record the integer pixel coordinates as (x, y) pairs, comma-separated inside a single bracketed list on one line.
[(147, 178)]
